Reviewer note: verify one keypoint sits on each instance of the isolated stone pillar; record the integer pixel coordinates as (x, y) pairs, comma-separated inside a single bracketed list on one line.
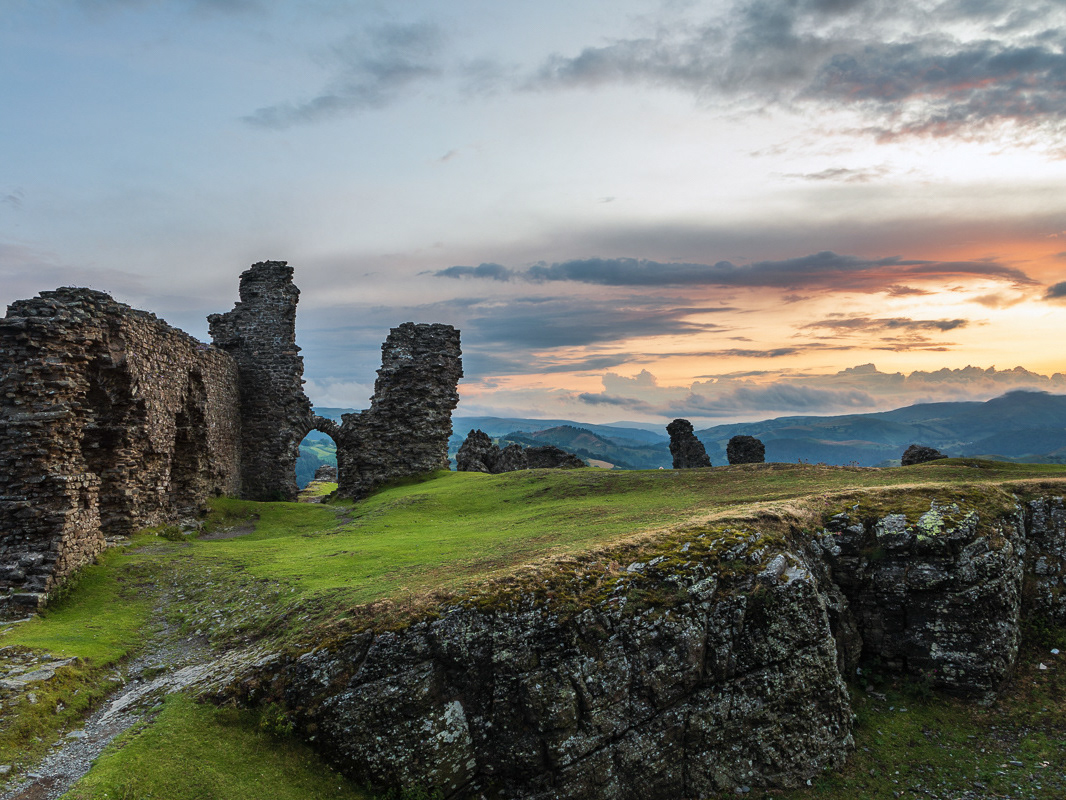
[(406, 429), (687, 450)]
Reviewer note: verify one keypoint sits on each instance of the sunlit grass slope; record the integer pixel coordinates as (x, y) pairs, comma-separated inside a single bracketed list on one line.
[(444, 531), (280, 570)]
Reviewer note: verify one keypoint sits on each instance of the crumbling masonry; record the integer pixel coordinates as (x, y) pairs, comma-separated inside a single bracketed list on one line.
[(111, 420)]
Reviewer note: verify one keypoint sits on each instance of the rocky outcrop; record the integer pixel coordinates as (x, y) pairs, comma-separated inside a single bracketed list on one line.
[(110, 421), (920, 454), (327, 472), (551, 457), (687, 450), (745, 450), (713, 663), (478, 453), (1044, 590), (728, 684), (938, 599)]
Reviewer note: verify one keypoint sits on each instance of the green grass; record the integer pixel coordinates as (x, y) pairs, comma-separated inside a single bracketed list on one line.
[(420, 539), (297, 571), (911, 744), (317, 489), (98, 616), (195, 752)]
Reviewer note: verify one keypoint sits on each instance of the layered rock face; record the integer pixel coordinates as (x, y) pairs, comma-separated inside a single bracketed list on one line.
[(406, 429), (1044, 590), (687, 450), (110, 420), (715, 664), (478, 453), (745, 450), (260, 334), (939, 600), (726, 687)]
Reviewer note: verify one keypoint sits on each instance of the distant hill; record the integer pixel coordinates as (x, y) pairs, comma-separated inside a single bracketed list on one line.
[(619, 452), (500, 426), (1018, 426)]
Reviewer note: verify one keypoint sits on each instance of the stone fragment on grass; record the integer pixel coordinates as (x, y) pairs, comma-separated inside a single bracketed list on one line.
[(688, 451), (920, 454)]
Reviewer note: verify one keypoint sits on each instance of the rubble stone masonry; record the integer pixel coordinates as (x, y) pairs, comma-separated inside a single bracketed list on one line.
[(406, 429), (260, 333), (110, 420)]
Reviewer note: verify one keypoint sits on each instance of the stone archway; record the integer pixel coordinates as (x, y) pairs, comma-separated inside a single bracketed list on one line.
[(329, 429)]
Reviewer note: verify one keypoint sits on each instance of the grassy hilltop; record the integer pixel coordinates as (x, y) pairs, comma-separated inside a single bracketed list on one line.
[(293, 575)]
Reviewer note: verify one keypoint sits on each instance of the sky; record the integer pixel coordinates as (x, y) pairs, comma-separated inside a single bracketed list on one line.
[(632, 209)]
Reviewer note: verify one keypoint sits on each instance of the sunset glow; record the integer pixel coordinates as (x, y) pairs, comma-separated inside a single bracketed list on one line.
[(633, 210)]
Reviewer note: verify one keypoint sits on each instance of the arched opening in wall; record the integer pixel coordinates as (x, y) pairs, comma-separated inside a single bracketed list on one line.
[(107, 408), (317, 449), (190, 463)]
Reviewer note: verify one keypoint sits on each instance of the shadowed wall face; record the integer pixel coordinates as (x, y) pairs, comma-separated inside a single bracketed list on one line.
[(110, 421)]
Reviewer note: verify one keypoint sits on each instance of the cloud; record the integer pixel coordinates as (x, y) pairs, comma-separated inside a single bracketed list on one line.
[(494, 272), (374, 68), (868, 324), (24, 272), (826, 269), (338, 393), (778, 397), (604, 399), (203, 6), (940, 88), (1056, 292), (841, 174), (762, 394), (907, 68), (13, 198), (575, 323)]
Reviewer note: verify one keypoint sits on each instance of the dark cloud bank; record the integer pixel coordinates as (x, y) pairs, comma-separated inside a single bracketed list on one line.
[(820, 270), (905, 66)]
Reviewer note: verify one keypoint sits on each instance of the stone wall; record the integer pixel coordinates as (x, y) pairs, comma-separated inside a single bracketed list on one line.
[(406, 429), (260, 334), (110, 420)]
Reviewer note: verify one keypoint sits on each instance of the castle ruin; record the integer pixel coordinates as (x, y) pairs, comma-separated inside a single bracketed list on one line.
[(111, 420)]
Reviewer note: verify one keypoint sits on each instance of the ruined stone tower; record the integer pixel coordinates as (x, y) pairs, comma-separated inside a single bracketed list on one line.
[(260, 334), (111, 420), (406, 429)]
